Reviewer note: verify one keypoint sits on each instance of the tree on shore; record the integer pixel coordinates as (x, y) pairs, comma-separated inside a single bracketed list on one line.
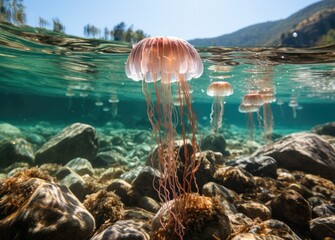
[(58, 26), (91, 31), (12, 11)]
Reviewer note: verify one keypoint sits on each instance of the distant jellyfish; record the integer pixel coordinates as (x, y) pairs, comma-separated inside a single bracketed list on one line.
[(163, 61), (249, 110), (114, 101), (218, 90), (268, 96), (280, 103), (254, 99), (70, 94), (294, 104), (99, 103)]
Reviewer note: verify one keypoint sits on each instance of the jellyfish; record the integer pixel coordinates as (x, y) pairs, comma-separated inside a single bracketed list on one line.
[(218, 90), (294, 104), (280, 103), (268, 97), (249, 110), (114, 100), (254, 99), (70, 93), (163, 61)]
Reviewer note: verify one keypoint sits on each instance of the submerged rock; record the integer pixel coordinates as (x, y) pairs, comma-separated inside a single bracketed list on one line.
[(325, 129), (322, 228), (34, 208), (123, 189), (76, 140), (15, 150), (146, 182), (263, 166), (124, 229), (8, 131), (234, 178), (254, 210), (215, 142), (290, 207), (76, 184), (202, 218), (306, 152), (81, 166), (105, 207), (109, 158)]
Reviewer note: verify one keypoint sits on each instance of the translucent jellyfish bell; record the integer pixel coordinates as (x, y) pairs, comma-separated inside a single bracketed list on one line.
[(168, 57)]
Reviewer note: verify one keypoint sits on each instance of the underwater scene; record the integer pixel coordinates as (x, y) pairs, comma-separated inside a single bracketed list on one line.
[(163, 140)]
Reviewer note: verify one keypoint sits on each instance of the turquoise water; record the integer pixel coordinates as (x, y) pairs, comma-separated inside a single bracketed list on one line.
[(64, 79)]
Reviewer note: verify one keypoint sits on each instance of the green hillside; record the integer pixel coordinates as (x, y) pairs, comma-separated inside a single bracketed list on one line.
[(278, 33)]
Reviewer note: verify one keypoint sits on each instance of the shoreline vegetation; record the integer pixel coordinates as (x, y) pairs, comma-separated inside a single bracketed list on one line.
[(312, 26)]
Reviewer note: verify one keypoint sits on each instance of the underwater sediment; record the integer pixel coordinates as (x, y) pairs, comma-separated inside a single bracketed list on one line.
[(81, 182)]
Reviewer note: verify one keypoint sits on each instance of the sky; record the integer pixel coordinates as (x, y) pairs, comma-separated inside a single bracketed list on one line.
[(186, 19)]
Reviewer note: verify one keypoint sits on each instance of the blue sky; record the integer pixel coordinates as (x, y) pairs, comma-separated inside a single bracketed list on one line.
[(187, 19)]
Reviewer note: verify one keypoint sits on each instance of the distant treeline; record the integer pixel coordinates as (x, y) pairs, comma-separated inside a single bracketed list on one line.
[(13, 11), (119, 33)]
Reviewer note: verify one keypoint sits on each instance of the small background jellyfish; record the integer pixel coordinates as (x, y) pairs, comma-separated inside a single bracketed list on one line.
[(70, 94), (114, 101), (268, 96), (218, 90), (252, 102), (163, 61), (249, 110), (293, 104), (280, 103)]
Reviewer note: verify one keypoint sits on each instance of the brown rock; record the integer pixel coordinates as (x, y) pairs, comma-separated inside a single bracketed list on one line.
[(76, 140), (290, 207), (254, 210), (306, 152), (234, 178)]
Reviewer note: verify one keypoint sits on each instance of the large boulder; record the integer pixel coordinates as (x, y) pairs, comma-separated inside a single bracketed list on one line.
[(76, 140), (34, 208), (306, 152)]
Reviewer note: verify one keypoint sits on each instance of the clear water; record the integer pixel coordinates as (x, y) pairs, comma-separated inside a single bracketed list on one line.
[(64, 79)]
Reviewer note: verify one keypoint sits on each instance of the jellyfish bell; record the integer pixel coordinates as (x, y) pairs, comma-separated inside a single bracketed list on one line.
[(163, 58), (253, 98), (218, 90), (113, 99), (268, 95), (99, 103), (70, 92), (280, 102), (247, 108), (293, 103)]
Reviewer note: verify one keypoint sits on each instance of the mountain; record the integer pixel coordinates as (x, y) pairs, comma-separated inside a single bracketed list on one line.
[(312, 26)]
